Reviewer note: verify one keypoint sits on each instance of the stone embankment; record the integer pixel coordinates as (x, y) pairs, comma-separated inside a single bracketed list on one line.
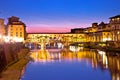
[(12, 60)]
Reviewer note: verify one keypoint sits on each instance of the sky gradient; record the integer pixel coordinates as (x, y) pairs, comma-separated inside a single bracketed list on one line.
[(59, 15)]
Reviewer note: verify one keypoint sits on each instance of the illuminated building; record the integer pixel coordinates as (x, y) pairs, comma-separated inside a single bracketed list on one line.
[(97, 33), (16, 29), (115, 27), (92, 29), (103, 32), (2, 27)]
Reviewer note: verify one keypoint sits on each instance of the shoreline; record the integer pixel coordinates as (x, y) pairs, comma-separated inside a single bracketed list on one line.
[(107, 49), (14, 71)]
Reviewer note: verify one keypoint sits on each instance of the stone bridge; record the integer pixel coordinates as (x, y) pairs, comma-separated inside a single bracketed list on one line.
[(48, 38)]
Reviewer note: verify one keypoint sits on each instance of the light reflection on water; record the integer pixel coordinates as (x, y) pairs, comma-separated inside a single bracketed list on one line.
[(68, 65)]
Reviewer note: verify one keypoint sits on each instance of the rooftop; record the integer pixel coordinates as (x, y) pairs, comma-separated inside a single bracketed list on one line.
[(117, 16)]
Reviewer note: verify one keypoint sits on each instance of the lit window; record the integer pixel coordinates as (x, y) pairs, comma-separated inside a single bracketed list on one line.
[(11, 29), (11, 34), (16, 33), (118, 32), (113, 19), (20, 34), (20, 29), (118, 18)]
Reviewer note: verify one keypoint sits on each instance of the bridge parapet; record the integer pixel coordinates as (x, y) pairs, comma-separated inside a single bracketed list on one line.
[(64, 37)]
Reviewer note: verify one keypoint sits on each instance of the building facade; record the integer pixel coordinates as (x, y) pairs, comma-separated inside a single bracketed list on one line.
[(103, 32), (115, 27), (16, 30), (2, 27)]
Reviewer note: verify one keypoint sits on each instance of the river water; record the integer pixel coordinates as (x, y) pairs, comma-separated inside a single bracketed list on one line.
[(72, 65)]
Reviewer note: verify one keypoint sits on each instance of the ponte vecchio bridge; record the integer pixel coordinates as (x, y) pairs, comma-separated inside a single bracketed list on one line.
[(47, 38)]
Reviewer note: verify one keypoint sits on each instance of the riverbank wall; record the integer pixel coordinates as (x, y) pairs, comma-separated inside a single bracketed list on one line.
[(11, 53), (106, 46)]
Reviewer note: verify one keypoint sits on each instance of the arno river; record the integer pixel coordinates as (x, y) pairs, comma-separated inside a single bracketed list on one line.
[(72, 65)]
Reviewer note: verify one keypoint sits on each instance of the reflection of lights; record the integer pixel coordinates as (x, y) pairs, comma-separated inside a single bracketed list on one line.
[(60, 45), (81, 48), (115, 76), (54, 50), (118, 65), (101, 52), (42, 46), (107, 39), (45, 56), (118, 77), (105, 61), (74, 48), (104, 58), (118, 32)]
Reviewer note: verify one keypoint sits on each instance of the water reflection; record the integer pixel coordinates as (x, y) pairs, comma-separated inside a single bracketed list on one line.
[(92, 58), (114, 66)]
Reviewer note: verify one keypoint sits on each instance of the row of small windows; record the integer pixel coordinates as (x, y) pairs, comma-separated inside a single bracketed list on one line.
[(16, 34), (106, 33), (16, 29), (115, 19), (115, 27)]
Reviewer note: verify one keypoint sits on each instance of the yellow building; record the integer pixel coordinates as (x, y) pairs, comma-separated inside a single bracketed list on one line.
[(115, 27), (102, 32), (96, 33), (16, 29), (2, 27), (92, 29)]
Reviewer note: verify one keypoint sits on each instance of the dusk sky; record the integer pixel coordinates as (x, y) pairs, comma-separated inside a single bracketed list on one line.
[(59, 15)]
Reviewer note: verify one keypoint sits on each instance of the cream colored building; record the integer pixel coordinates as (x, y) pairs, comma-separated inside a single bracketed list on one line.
[(2, 27), (16, 29), (97, 33), (115, 27)]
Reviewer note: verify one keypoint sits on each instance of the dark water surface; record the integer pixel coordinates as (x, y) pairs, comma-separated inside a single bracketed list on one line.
[(68, 65)]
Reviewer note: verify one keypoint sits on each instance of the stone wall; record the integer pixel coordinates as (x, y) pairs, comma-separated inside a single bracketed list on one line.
[(9, 53)]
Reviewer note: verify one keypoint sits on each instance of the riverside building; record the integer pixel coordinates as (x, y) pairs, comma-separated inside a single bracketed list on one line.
[(102, 32), (16, 29)]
